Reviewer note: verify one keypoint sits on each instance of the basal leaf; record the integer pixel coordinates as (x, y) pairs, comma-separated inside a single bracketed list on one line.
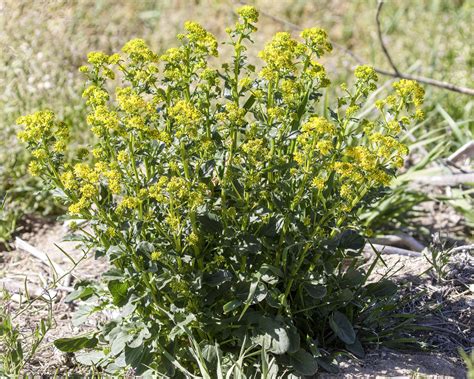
[(73, 344), (341, 325), (303, 363)]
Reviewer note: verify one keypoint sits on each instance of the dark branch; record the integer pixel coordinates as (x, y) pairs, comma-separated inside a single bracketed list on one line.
[(382, 44)]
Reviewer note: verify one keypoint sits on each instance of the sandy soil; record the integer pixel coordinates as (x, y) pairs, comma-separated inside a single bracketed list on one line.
[(446, 306)]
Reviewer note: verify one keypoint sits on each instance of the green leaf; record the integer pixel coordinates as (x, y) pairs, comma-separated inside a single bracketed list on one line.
[(231, 305), (384, 288), (119, 291), (210, 223), (217, 278), (272, 335), (315, 289), (303, 363), (250, 101), (356, 349), (328, 365), (352, 278), (294, 337), (72, 344), (133, 355), (341, 325), (81, 293), (349, 239), (90, 358)]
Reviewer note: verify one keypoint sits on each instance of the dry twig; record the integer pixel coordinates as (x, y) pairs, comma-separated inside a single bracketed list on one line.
[(26, 247)]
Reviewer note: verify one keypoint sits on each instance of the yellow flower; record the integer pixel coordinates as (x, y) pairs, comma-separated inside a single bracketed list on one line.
[(410, 90), (128, 202), (97, 58), (68, 180), (95, 95), (186, 117), (199, 36), (138, 51), (279, 55), (40, 154), (317, 40), (319, 125), (324, 146), (113, 179), (366, 73), (193, 239), (248, 13), (156, 255), (350, 111), (34, 168), (88, 191), (122, 156), (318, 183), (77, 208)]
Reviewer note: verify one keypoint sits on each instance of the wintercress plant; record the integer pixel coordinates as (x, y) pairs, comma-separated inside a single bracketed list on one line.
[(225, 200)]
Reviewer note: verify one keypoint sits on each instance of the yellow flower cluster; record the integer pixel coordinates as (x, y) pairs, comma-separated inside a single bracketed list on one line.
[(366, 73), (317, 40), (248, 13), (102, 119), (138, 51), (410, 90), (186, 117), (130, 101), (128, 202), (200, 38), (319, 125), (95, 96), (255, 150), (279, 55), (37, 126)]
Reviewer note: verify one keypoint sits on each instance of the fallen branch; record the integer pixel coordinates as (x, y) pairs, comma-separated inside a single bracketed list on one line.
[(401, 239), (461, 248), (395, 74), (463, 153), (26, 247), (445, 180), (390, 250)]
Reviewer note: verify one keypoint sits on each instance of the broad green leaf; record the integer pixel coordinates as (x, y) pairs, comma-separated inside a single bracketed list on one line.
[(328, 365), (81, 293), (119, 291), (72, 344), (231, 305), (340, 324), (349, 239), (90, 358), (315, 289), (272, 335), (356, 349), (210, 223), (217, 278), (133, 355), (294, 337), (384, 288), (303, 363)]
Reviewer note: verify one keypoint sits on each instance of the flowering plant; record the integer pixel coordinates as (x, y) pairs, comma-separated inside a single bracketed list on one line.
[(225, 202)]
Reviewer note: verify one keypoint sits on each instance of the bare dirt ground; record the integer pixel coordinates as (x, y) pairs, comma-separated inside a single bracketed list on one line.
[(446, 307)]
